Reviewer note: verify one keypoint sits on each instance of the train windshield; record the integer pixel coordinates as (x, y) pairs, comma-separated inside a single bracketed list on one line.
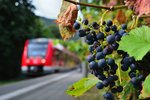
[(37, 49)]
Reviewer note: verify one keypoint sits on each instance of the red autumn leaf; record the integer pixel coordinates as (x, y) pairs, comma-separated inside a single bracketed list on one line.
[(121, 17), (140, 7), (68, 14)]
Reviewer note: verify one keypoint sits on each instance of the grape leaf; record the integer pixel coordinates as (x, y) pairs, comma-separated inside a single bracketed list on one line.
[(68, 14), (137, 43), (141, 7), (81, 86), (145, 93)]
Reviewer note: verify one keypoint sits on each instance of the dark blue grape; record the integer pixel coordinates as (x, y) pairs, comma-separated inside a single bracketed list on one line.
[(124, 26), (115, 77), (114, 90), (115, 46), (133, 67), (112, 84), (105, 82), (124, 67), (107, 29), (89, 42), (95, 25), (90, 58), (111, 61), (126, 61), (81, 33), (93, 65), (102, 63), (89, 36), (114, 67), (107, 50), (91, 49), (119, 88), (99, 85), (101, 77), (118, 37), (109, 23), (108, 96), (103, 23), (112, 71), (99, 49), (132, 74), (134, 80), (110, 39), (100, 55), (76, 25), (114, 28), (85, 21), (100, 36), (121, 32), (141, 77)]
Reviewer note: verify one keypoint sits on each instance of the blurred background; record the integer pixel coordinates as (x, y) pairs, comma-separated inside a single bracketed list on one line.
[(33, 55)]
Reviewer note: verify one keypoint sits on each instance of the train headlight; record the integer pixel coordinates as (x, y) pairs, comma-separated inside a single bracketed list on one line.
[(43, 60)]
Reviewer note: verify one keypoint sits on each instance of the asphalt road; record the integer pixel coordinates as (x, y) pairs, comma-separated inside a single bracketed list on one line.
[(50, 87)]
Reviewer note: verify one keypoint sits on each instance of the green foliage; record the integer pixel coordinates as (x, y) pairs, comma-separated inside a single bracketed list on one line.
[(17, 23), (137, 43), (81, 86), (146, 88)]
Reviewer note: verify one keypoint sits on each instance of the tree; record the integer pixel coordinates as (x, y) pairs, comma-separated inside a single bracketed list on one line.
[(17, 23)]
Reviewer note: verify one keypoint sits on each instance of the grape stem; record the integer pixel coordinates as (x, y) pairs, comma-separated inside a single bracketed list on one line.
[(95, 6), (119, 73)]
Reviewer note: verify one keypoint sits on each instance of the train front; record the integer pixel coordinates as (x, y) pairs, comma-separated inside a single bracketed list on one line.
[(35, 56)]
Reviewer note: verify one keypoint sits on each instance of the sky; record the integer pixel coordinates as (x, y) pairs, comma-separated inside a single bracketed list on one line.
[(47, 8)]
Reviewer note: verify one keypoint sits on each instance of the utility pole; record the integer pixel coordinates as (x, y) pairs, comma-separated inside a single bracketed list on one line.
[(84, 65)]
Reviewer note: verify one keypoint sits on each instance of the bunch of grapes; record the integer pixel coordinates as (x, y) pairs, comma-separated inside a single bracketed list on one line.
[(103, 43)]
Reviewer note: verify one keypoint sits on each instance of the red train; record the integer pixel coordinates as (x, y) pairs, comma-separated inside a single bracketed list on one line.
[(41, 56)]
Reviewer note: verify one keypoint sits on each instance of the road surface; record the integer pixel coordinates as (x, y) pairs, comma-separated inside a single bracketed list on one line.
[(50, 87)]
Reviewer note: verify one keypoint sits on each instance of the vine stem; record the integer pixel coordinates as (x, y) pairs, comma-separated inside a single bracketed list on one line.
[(134, 20), (119, 74), (95, 6), (102, 18)]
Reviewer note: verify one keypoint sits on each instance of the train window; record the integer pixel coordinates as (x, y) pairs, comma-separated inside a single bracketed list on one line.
[(37, 49)]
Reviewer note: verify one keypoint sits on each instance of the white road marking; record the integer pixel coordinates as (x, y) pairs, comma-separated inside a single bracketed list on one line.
[(32, 87)]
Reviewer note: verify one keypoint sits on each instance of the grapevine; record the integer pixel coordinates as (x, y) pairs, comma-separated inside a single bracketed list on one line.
[(104, 54)]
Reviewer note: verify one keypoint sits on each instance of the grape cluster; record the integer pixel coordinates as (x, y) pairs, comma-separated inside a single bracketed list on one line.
[(104, 42)]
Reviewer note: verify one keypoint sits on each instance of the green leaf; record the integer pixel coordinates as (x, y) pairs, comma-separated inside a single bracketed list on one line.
[(137, 43), (81, 86), (146, 88), (127, 92)]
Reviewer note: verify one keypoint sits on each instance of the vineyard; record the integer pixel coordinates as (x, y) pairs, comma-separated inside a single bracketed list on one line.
[(117, 32)]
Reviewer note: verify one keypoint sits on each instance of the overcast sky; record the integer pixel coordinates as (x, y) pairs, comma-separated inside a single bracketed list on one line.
[(47, 8)]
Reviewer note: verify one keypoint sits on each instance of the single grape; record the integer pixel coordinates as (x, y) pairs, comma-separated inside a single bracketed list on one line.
[(119, 88), (118, 37), (141, 77), (101, 77), (89, 42), (102, 63), (121, 32), (124, 26), (90, 58), (108, 96), (112, 71), (81, 33), (91, 49), (106, 68), (114, 90), (99, 85), (76, 25), (107, 50), (126, 61), (133, 67), (115, 77), (85, 21), (134, 80), (107, 29), (114, 67), (103, 23), (100, 36), (115, 46), (112, 84), (132, 74), (114, 28), (95, 25), (89, 36), (124, 67), (109, 23), (111, 61), (105, 82), (99, 49), (110, 39), (93, 65), (100, 55)]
